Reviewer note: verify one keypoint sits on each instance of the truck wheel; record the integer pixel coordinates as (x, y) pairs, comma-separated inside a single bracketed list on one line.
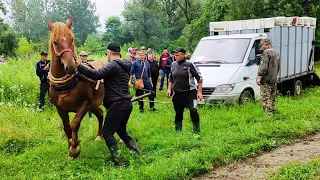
[(246, 97), (297, 88)]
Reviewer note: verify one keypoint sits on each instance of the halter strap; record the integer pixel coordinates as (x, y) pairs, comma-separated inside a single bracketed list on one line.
[(63, 51)]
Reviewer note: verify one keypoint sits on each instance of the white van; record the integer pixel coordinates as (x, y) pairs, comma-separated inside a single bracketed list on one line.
[(229, 59)]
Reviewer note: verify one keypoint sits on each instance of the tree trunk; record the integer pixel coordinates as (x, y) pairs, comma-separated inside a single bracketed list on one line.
[(190, 45)]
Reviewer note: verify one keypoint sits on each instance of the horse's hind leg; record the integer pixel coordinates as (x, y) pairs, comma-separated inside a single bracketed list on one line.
[(99, 114), (66, 124)]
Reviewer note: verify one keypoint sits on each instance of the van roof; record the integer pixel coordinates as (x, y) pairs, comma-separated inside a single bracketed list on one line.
[(254, 35)]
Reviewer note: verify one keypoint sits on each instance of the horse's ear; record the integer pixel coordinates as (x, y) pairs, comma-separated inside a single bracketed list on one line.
[(50, 25), (69, 22)]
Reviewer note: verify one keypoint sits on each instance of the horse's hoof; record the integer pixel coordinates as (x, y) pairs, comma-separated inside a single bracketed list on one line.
[(74, 152), (70, 158), (98, 138)]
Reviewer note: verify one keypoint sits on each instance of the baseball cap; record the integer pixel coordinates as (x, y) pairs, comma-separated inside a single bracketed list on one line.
[(265, 41), (180, 49), (44, 53), (114, 47), (83, 53), (143, 48)]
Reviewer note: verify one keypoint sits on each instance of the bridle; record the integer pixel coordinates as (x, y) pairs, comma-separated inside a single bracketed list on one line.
[(62, 52)]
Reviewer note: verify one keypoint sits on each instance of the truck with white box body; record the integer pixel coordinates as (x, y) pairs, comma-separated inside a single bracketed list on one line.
[(229, 58)]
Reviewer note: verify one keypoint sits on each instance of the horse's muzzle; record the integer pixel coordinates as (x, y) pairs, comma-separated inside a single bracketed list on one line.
[(71, 69)]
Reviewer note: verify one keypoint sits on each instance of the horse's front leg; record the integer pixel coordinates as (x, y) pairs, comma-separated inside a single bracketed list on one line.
[(74, 150), (66, 123)]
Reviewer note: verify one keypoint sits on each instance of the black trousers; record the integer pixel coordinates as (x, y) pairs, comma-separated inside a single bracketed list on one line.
[(139, 92), (44, 88), (182, 100), (116, 122), (154, 82)]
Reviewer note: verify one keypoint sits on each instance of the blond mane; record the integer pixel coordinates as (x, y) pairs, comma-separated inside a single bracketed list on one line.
[(60, 30)]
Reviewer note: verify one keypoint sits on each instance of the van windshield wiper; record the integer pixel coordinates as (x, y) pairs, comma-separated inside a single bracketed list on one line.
[(220, 61), (211, 62)]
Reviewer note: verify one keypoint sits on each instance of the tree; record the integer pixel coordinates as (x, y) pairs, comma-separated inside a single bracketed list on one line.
[(85, 21), (145, 22), (25, 48), (247, 9), (113, 32), (190, 10), (30, 17), (214, 10), (116, 31), (8, 38), (93, 44)]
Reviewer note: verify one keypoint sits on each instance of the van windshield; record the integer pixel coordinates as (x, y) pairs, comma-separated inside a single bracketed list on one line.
[(222, 51)]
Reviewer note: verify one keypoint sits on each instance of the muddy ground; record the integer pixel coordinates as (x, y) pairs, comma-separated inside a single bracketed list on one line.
[(302, 151)]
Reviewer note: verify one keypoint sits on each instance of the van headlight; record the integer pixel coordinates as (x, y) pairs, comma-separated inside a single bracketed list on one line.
[(224, 88)]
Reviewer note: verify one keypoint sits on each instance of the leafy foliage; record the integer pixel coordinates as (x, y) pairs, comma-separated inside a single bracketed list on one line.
[(27, 48), (8, 38), (93, 45), (116, 31), (30, 17), (310, 170)]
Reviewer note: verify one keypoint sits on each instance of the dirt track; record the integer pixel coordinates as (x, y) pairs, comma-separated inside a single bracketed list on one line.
[(260, 167)]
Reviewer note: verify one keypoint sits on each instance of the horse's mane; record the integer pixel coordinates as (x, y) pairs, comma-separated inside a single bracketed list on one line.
[(60, 30)]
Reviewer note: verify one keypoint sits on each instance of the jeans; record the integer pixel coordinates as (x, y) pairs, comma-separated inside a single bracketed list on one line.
[(163, 74), (139, 92)]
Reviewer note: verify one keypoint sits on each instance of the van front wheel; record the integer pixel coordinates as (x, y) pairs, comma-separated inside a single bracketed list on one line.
[(246, 97)]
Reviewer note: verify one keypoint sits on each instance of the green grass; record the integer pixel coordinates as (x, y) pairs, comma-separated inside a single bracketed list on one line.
[(33, 144), (306, 171)]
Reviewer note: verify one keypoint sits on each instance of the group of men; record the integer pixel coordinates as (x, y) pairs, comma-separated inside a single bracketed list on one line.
[(183, 89)]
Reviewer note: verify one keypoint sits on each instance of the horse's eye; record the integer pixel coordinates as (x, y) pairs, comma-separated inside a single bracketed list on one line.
[(55, 42)]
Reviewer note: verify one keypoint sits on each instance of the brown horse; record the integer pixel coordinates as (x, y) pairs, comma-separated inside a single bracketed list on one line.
[(69, 92)]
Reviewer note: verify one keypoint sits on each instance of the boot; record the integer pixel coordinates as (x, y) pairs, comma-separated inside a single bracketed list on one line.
[(196, 128), (133, 146), (114, 150), (178, 126)]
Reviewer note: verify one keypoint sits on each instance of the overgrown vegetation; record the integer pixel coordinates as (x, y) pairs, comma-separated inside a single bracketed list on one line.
[(310, 170), (33, 144)]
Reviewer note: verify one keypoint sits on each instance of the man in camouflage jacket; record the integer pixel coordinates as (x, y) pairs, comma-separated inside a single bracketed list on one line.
[(267, 76)]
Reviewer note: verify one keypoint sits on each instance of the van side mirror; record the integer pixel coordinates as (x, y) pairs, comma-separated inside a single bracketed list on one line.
[(258, 59)]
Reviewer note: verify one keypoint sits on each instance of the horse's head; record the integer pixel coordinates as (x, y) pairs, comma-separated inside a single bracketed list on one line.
[(62, 46)]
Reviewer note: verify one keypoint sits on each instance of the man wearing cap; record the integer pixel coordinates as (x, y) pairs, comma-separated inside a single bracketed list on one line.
[(84, 56), (267, 76), (117, 100), (184, 90), (42, 70)]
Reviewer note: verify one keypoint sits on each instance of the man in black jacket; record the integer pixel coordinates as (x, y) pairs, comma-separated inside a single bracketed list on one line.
[(42, 69), (185, 90), (154, 69), (117, 100), (169, 61)]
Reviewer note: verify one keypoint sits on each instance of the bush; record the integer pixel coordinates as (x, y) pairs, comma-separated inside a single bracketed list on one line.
[(19, 83)]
